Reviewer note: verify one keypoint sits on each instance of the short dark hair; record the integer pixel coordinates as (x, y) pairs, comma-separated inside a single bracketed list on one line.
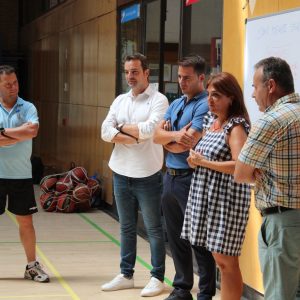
[(226, 84), (138, 56), (6, 69), (279, 70), (195, 61)]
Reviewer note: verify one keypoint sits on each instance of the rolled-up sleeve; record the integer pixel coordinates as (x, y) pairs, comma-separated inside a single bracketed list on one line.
[(32, 115), (108, 128), (160, 105)]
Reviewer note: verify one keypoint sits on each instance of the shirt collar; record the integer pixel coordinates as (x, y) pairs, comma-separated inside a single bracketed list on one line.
[(16, 105), (147, 92), (291, 98), (199, 96)]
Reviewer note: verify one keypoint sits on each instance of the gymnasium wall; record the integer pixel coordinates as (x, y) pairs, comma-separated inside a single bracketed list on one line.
[(72, 57)]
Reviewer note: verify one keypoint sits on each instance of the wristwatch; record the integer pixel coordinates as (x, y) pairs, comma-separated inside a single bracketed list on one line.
[(119, 126), (2, 132)]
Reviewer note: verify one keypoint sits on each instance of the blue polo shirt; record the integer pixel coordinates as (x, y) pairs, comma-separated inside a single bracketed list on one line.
[(15, 159), (180, 113)]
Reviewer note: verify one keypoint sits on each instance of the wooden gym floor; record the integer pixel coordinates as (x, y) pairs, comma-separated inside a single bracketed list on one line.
[(79, 251)]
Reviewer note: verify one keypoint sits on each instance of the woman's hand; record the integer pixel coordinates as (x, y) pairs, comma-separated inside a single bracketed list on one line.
[(195, 158)]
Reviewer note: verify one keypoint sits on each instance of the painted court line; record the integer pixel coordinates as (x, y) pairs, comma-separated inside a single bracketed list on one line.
[(58, 242), (50, 266), (33, 296), (116, 242)]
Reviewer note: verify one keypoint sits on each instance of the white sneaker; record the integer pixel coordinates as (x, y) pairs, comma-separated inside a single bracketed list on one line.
[(153, 288), (118, 283)]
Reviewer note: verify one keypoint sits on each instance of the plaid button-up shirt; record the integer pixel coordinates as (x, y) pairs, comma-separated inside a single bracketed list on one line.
[(273, 147)]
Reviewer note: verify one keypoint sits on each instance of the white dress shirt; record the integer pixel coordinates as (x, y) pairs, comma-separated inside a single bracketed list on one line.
[(146, 110)]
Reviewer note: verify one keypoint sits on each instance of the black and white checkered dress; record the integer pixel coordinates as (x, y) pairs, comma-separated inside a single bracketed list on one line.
[(217, 209)]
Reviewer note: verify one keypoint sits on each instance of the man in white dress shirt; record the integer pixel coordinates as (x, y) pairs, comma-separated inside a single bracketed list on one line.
[(136, 163)]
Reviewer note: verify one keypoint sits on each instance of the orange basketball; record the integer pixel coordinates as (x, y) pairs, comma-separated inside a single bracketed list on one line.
[(64, 184), (65, 204), (82, 193), (48, 201), (79, 175), (48, 184)]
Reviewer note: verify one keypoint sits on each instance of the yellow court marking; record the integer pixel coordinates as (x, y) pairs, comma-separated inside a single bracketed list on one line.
[(49, 265), (33, 296)]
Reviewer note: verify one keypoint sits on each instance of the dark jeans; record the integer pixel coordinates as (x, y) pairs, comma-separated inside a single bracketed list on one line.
[(131, 193), (174, 199)]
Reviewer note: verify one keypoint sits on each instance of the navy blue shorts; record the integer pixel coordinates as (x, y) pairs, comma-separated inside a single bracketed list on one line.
[(20, 196)]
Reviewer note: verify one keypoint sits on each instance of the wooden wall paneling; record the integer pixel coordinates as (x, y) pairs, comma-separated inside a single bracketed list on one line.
[(44, 69), (90, 62), (75, 133), (88, 132), (66, 19), (34, 69), (107, 59), (76, 65), (48, 132), (103, 151), (47, 24), (105, 6), (53, 67), (64, 66), (64, 149), (82, 11), (87, 10)]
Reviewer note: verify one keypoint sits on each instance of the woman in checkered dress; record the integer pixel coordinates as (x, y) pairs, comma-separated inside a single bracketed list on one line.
[(217, 209)]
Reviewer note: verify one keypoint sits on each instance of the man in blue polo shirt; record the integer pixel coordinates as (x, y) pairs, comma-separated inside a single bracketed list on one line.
[(18, 125), (180, 131)]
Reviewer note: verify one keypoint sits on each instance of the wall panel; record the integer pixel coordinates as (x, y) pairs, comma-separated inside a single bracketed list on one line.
[(90, 62), (107, 59), (76, 65), (64, 66), (72, 54)]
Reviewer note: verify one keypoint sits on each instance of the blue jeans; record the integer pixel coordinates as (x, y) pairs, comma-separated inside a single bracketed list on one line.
[(130, 194)]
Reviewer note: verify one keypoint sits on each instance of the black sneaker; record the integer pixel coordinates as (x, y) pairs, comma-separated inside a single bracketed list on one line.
[(175, 296), (36, 273)]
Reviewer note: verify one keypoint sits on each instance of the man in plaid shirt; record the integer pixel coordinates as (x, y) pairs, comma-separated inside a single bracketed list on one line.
[(270, 158)]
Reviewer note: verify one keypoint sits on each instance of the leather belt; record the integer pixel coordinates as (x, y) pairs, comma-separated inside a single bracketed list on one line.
[(182, 172), (274, 210)]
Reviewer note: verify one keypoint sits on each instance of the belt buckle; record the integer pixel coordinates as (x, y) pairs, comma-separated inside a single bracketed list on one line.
[(172, 172)]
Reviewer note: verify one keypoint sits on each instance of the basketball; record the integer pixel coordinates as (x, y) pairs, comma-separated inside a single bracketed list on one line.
[(82, 193), (94, 186), (83, 206), (48, 184), (48, 201), (65, 204), (64, 184), (79, 175)]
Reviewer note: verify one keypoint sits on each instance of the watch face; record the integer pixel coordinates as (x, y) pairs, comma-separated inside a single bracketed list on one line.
[(2, 129)]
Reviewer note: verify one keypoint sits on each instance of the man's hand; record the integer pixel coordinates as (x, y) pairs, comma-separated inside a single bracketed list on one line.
[(183, 137), (167, 126)]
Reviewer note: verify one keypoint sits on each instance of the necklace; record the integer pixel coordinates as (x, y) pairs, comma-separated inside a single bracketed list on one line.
[(216, 126)]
